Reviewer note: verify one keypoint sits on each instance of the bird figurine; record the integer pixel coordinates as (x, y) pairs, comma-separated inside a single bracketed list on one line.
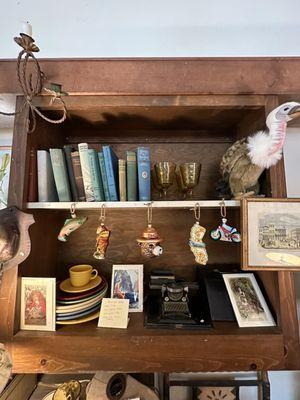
[(244, 162)]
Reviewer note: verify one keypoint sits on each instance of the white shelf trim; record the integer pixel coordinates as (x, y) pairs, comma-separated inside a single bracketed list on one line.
[(131, 204)]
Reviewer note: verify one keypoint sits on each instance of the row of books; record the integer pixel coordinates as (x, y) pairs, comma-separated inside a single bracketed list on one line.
[(83, 174)]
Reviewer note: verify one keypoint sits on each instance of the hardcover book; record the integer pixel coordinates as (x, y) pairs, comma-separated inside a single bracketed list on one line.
[(78, 175), (122, 179), (103, 176), (68, 151), (131, 176), (143, 160), (96, 175), (60, 174), (46, 184), (111, 167), (86, 171)]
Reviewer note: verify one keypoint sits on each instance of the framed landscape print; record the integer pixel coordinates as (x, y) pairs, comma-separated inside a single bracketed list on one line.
[(248, 303), (271, 234), (38, 304), (127, 283), (5, 158)]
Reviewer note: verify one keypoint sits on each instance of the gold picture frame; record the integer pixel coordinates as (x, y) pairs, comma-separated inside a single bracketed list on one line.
[(270, 234)]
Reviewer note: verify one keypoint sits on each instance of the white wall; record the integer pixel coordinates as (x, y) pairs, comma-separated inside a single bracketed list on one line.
[(115, 28)]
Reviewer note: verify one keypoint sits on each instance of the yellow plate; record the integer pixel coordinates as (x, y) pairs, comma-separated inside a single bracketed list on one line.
[(66, 286), (80, 320)]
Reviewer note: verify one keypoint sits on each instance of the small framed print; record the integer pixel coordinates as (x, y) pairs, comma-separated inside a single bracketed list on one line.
[(271, 234), (5, 158), (38, 304), (127, 283), (247, 300)]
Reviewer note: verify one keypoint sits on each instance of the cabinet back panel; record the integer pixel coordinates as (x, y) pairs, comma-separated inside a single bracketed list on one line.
[(126, 225)]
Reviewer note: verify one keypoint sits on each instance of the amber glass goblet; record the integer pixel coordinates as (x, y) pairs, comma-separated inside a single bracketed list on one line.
[(190, 173), (165, 173), (181, 186)]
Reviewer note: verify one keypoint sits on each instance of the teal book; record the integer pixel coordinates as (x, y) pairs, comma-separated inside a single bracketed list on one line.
[(60, 174), (103, 175), (68, 150), (111, 168), (96, 176), (131, 176), (143, 162)]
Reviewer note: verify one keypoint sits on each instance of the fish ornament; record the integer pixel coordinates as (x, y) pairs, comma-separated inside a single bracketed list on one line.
[(197, 246), (102, 237), (70, 225)]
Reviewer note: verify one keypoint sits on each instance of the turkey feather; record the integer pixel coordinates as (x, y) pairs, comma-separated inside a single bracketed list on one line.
[(264, 149)]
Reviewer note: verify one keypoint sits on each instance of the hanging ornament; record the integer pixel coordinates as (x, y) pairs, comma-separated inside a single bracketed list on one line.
[(150, 240), (71, 224), (196, 235), (225, 232), (102, 238)]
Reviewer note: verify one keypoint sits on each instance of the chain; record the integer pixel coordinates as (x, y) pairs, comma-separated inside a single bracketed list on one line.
[(149, 213), (72, 210), (197, 212), (102, 214), (223, 208)]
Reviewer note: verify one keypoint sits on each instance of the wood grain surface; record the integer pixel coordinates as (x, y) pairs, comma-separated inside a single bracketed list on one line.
[(85, 348)]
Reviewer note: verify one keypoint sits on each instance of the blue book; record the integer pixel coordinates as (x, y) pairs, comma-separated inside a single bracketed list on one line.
[(143, 162), (60, 174), (103, 175), (96, 175), (111, 168)]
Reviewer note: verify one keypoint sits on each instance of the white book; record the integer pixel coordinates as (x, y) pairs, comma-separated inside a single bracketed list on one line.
[(86, 171), (46, 184)]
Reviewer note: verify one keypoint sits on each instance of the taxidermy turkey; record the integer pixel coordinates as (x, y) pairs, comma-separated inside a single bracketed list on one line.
[(246, 159)]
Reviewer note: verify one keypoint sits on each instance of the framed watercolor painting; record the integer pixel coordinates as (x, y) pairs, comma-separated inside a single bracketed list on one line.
[(247, 300), (5, 158), (38, 304), (127, 283), (271, 234)]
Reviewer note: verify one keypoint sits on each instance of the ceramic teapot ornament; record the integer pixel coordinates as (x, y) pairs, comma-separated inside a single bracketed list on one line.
[(196, 243), (150, 240), (102, 237)]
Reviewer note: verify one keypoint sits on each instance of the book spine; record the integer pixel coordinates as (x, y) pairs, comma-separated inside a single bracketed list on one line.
[(122, 179), (46, 184), (110, 173), (60, 174), (96, 176), (143, 161), (86, 171), (73, 187), (131, 176), (33, 184), (103, 175), (78, 175)]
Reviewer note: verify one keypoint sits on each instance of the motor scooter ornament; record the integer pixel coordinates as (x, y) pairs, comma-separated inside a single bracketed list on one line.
[(224, 232)]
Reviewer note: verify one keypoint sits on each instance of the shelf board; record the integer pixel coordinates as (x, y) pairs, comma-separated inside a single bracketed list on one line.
[(131, 204), (138, 349)]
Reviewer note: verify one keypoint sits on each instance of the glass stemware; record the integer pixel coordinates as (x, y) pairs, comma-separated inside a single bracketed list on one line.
[(165, 173), (190, 173)]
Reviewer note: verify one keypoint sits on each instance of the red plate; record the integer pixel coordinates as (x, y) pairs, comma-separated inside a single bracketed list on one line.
[(65, 296)]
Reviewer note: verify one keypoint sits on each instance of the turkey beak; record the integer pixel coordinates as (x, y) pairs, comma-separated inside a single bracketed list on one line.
[(295, 112)]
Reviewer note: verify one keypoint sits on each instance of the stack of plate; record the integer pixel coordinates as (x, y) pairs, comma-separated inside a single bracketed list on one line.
[(76, 305)]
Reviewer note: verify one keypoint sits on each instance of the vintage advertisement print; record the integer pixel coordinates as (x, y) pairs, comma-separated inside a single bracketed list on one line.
[(248, 303), (127, 283), (38, 304), (272, 234)]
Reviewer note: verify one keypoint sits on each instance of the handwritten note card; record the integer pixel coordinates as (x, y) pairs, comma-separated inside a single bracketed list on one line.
[(114, 313)]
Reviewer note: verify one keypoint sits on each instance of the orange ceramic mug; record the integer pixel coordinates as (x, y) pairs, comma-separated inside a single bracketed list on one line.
[(81, 275)]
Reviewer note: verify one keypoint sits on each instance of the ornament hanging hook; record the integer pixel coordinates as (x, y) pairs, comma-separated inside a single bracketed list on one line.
[(149, 213), (72, 210), (197, 211), (223, 208), (102, 214)]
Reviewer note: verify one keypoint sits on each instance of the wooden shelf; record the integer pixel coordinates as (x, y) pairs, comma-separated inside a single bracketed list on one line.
[(86, 348), (131, 204)]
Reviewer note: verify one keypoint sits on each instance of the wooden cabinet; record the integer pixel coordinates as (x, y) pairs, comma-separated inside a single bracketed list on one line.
[(178, 126)]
